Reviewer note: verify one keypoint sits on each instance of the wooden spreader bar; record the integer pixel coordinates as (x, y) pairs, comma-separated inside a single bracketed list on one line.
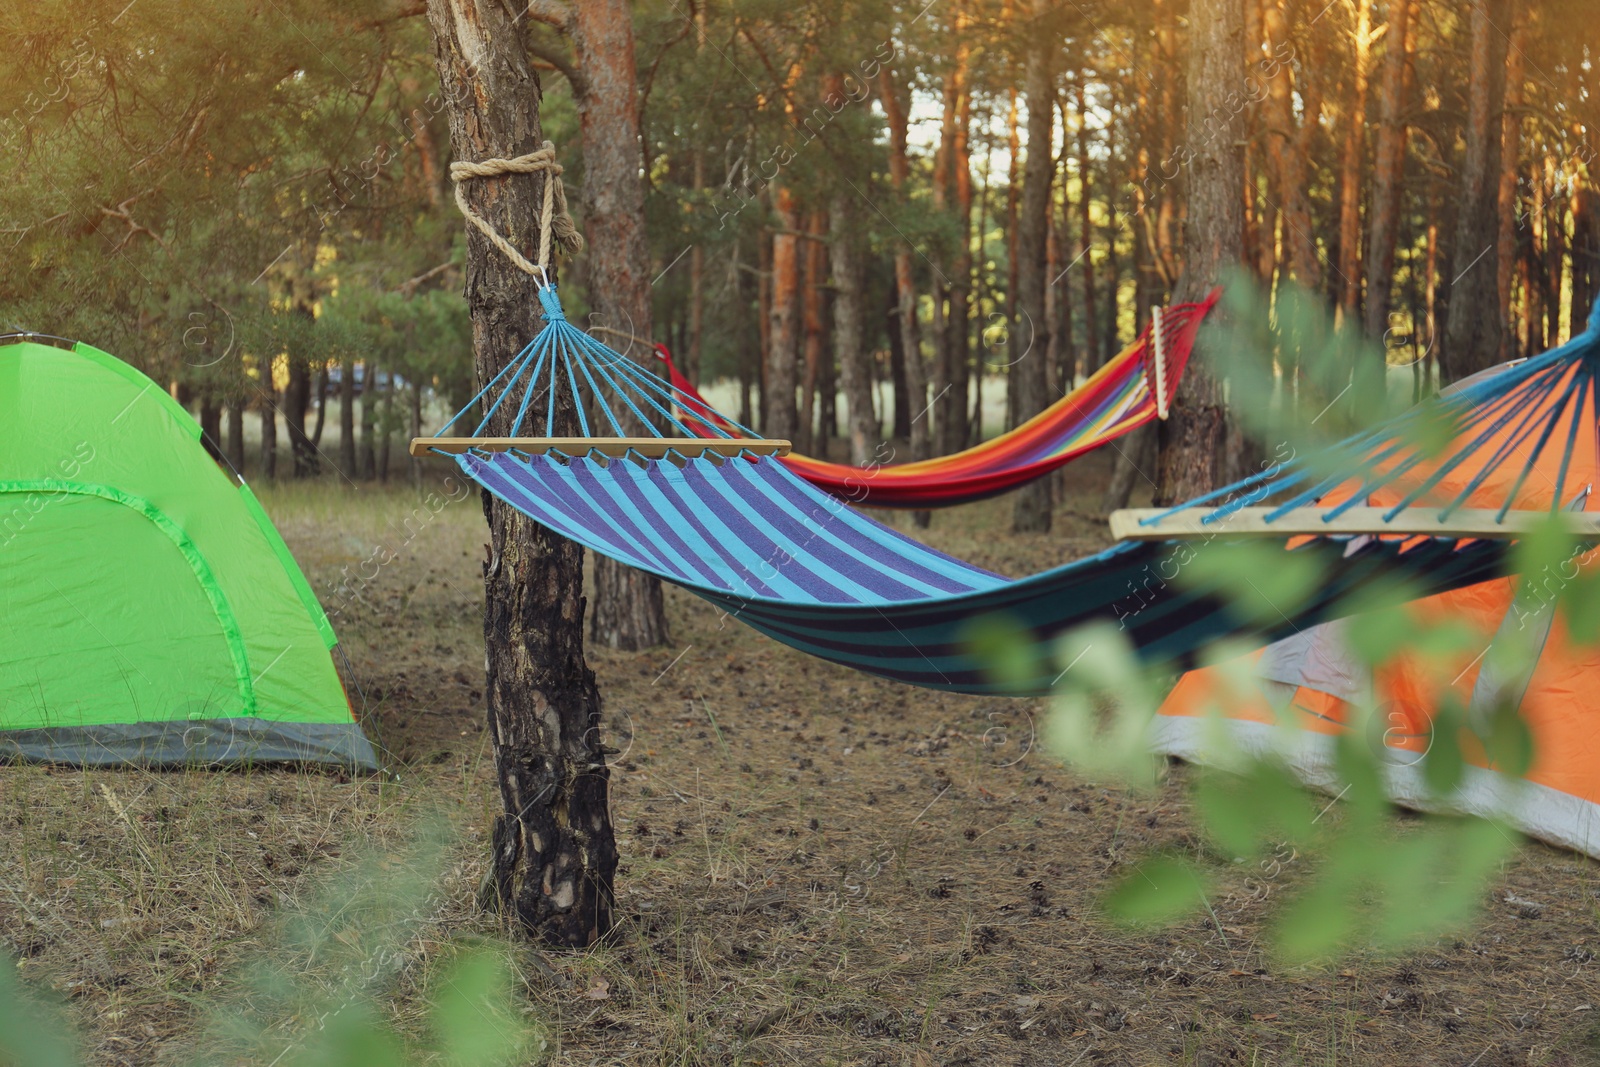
[(650, 447), (1251, 522)]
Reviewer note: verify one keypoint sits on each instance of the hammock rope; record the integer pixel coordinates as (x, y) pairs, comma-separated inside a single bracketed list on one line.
[(751, 535), (1508, 419)]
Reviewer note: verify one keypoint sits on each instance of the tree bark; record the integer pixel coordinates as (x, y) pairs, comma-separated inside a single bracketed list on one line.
[(813, 438), (918, 407), (1029, 387), (1509, 213), (269, 426), (1474, 326), (855, 369), (347, 417), (1354, 154), (1288, 149), (780, 416), (555, 854), (235, 445), (1389, 167), (296, 402), (629, 611), (369, 420), (1191, 438), (211, 426)]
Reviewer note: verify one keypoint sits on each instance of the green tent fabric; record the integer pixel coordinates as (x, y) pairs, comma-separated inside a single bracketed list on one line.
[(150, 614)]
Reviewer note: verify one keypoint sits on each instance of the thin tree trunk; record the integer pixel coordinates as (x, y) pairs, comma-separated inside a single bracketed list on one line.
[(236, 435), (1475, 327), (386, 422), (1352, 158), (415, 396), (1028, 392), (1389, 167), (1091, 335), (1192, 436), (1555, 230), (629, 610), (555, 854), (319, 392), (1288, 149), (958, 346), (211, 427), (918, 407), (899, 389), (815, 263), (369, 420), (855, 370), (347, 417), (269, 427), (780, 417), (1136, 455), (296, 401), (1511, 215)]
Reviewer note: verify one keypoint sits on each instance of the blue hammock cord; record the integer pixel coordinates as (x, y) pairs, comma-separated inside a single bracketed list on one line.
[(1513, 402), (563, 357)]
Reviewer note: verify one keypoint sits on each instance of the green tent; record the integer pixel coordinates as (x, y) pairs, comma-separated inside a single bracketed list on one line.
[(150, 614)]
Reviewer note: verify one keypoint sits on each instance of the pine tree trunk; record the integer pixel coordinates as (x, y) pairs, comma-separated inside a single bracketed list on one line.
[(1028, 390), (211, 427), (780, 416), (629, 611), (269, 428), (1513, 220), (1091, 298), (958, 348), (1354, 154), (1474, 324), (855, 368), (815, 261), (1389, 167), (296, 402), (319, 393), (555, 854), (236, 435), (1288, 149), (1192, 436), (347, 417), (369, 420), (918, 407)]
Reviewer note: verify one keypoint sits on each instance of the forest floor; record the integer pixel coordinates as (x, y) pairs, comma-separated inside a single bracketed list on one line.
[(818, 867)]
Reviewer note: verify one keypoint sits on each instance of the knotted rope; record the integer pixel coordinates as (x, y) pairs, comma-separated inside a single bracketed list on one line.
[(553, 218)]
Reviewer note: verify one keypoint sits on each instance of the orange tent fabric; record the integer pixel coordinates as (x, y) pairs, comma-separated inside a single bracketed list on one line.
[(1314, 679)]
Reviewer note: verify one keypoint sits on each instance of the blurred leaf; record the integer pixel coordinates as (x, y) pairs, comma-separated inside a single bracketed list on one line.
[(1363, 793), (1264, 803), (1009, 651), (1580, 600), (352, 1035), (1324, 919), (1445, 764), (31, 1034), (1508, 742), (1263, 583), (474, 1018), (1543, 551), (1159, 890)]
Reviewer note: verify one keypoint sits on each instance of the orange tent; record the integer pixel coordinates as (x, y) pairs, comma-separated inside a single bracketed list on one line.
[(1314, 678)]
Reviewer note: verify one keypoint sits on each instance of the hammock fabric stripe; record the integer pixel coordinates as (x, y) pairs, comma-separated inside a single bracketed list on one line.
[(753, 538), (1118, 398)]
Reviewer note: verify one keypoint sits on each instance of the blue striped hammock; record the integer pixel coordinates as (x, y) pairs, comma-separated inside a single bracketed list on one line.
[(804, 568)]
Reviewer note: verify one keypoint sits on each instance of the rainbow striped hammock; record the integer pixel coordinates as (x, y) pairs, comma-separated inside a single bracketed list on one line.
[(745, 532), (1134, 387)]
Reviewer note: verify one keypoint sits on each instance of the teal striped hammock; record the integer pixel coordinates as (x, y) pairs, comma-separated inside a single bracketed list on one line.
[(797, 564)]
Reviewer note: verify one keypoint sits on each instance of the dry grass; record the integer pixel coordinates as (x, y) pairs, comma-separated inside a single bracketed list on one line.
[(818, 867)]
